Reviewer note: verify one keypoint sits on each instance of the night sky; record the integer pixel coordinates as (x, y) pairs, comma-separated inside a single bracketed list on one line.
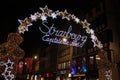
[(12, 10)]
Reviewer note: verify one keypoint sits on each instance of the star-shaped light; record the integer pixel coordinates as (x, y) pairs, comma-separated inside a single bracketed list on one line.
[(9, 64), (91, 31), (85, 24), (24, 22), (93, 37), (46, 10), (66, 15), (77, 20), (7, 73), (38, 15), (43, 18), (24, 25), (53, 15), (33, 17), (108, 73)]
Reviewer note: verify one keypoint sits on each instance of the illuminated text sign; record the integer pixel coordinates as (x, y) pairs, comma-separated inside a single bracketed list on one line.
[(52, 35)]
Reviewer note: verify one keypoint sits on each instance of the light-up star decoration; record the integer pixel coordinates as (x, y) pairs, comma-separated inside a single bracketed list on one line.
[(24, 24), (43, 18), (108, 75), (53, 15), (7, 72)]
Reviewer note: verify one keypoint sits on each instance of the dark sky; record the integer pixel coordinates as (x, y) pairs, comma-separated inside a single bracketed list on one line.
[(12, 10)]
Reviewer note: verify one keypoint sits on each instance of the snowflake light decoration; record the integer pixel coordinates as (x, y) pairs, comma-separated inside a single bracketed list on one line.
[(7, 73)]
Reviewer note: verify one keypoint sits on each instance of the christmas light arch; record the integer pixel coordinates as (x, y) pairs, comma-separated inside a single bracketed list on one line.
[(24, 24)]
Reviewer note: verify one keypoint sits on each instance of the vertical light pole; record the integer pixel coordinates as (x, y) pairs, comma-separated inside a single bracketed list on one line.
[(35, 57), (36, 65)]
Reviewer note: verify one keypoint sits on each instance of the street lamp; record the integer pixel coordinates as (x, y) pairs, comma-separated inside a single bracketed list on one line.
[(35, 57), (36, 64), (64, 39)]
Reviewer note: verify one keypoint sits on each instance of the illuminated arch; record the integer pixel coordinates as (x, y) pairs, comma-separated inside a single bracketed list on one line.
[(24, 24)]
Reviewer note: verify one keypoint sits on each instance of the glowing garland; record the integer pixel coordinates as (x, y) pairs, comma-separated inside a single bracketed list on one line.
[(7, 73), (24, 24)]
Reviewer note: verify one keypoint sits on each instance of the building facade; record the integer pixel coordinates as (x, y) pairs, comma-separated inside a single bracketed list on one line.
[(104, 18), (64, 56)]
